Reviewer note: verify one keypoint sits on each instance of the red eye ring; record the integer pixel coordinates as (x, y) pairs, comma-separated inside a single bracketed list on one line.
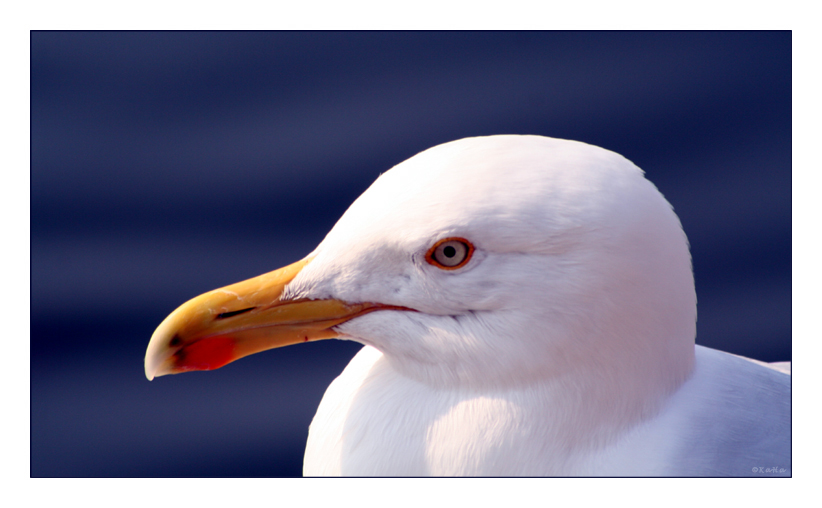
[(450, 253)]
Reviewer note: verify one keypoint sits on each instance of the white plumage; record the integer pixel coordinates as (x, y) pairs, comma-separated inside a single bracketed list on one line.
[(566, 345)]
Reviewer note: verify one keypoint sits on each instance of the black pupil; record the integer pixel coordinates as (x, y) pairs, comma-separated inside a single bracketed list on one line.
[(449, 251)]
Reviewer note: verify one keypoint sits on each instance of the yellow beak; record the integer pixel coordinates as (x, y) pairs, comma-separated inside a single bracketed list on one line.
[(226, 324)]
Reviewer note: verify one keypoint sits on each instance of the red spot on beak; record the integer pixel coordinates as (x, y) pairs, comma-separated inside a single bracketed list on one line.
[(206, 354)]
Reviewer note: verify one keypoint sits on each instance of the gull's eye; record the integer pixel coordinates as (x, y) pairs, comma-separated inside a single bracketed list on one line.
[(450, 253)]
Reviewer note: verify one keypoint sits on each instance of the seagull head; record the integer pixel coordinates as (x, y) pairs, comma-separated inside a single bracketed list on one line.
[(484, 262)]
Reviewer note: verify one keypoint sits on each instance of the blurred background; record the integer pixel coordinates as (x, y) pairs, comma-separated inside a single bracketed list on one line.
[(166, 164)]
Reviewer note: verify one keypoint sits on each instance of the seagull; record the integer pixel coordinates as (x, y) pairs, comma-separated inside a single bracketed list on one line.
[(527, 308)]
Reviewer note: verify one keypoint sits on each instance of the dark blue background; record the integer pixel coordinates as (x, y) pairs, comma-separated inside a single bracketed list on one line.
[(167, 164)]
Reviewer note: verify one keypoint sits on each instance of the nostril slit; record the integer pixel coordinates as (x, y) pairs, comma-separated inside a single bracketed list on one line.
[(234, 313)]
